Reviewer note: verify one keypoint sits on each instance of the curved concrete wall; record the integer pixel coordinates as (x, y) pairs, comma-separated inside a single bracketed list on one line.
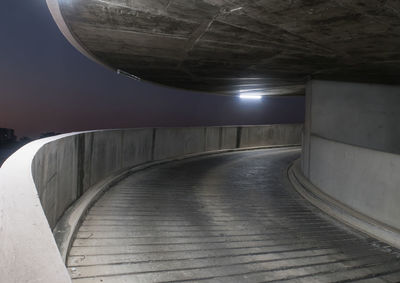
[(43, 179), (64, 169), (351, 147)]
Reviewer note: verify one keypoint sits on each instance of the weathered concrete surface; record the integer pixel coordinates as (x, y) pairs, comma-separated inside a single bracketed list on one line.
[(366, 180), (64, 169), (212, 138), (342, 212), (113, 150), (351, 149), (54, 169), (365, 115), (228, 137), (178, 142), (28, 252), (229, 46), (275, 134), (223, 218), (44, 178)]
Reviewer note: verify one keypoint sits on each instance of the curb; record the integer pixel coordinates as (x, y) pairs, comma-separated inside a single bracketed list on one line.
[(339, 211)]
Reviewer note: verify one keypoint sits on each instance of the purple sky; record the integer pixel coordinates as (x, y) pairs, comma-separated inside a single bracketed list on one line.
[(46, 85)]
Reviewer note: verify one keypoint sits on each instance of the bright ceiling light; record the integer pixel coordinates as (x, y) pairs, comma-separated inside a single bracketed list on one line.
[(250, 96)]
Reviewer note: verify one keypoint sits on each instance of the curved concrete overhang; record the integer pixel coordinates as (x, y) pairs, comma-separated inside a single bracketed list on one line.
[(228, 47), (55, 11)]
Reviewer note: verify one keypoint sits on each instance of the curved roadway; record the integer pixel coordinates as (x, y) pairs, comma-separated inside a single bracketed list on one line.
[(222, 218)]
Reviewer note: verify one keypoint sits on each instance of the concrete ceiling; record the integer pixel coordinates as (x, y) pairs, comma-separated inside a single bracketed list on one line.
[(229, 46)]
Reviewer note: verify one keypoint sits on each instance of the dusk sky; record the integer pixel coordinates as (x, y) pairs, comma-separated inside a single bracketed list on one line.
[(47, 85)]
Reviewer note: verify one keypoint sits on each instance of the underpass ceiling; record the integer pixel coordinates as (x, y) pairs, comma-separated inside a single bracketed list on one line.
[(233, 46)]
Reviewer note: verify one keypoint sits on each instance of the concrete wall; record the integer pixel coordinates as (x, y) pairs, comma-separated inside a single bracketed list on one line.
[(178, 142), (64, 169), (365, 115), (28, 251), (351, 149), (274, 134), (44, 178)]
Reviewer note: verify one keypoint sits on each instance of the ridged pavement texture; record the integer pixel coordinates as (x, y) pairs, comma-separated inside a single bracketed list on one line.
[(222, 218)]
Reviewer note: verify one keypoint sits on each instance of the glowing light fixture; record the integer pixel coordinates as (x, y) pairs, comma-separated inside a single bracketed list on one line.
[(253, 96)]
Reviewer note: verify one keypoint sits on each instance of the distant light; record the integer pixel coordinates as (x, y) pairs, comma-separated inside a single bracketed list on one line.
[(250, 96)]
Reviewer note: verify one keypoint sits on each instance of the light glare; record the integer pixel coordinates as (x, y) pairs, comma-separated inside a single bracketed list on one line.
[(250, 96)]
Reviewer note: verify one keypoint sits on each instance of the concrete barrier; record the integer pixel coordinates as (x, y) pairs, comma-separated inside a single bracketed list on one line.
[(351, 151), (364, 179), (48, 177), (275, 135)]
